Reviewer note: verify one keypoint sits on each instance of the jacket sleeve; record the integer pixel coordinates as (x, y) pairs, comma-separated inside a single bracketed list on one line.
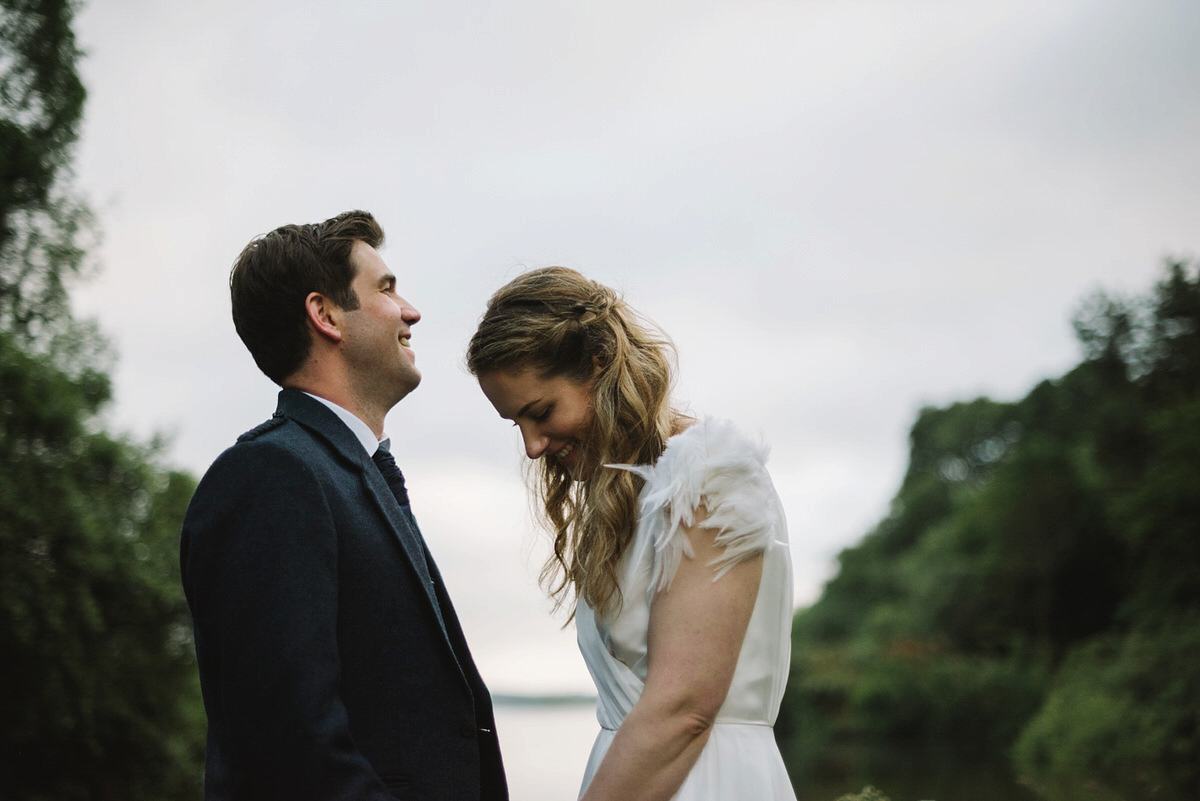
[(260, 569)]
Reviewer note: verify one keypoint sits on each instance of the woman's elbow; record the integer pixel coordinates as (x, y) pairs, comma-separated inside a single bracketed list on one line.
[(696, 712), (695, 722)]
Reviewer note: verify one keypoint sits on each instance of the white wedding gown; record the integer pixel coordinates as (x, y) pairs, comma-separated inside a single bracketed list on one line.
[(715, 464)]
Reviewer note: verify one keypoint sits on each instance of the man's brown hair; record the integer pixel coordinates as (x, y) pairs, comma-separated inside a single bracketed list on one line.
[(276, 272)]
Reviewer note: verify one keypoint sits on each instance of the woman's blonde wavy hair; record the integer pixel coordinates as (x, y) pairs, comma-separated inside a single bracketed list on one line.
[(562, 324)]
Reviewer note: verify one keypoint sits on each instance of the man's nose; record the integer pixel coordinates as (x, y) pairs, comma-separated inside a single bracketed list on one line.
[(409, 312)]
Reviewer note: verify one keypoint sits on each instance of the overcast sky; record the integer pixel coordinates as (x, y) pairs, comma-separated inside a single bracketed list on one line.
[(840, 212)]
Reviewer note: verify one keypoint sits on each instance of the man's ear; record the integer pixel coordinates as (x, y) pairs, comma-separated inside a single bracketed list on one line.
[(324, 315)]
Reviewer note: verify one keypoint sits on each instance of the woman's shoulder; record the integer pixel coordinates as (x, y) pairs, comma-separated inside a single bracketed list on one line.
[(711, 440), (715, 467), (710, 448)]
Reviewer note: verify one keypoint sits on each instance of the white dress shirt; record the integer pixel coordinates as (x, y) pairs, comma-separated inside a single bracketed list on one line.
[(361, 431)]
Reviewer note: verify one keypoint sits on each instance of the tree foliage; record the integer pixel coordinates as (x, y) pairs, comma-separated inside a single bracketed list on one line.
[(1037, 583), (44, 225), (98, 689), (97, 685)]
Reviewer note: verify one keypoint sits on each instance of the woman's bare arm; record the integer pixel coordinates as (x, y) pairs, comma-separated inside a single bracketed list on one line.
[(696, 631)]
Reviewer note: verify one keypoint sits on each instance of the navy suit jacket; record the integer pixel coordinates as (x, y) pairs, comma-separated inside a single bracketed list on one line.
[(331, 660)]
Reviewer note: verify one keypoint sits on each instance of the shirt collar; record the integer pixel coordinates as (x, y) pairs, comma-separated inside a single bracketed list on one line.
[(361, 431)]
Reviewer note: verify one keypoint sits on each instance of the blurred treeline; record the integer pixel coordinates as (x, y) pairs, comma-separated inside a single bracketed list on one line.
[(98, 691), (1034, 594)]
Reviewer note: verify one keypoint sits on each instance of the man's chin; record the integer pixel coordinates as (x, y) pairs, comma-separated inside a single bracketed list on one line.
[(407, 384)]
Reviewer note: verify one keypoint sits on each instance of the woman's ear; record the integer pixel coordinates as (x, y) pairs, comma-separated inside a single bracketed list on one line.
[(324, 315), (598, 366)]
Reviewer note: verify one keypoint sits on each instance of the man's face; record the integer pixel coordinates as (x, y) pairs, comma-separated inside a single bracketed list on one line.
[(376, 334)]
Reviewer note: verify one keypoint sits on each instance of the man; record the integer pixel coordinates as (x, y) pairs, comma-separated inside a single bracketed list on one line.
[(331, 660)]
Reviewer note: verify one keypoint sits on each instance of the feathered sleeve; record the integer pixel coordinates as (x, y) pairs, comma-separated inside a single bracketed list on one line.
[(712, 464)]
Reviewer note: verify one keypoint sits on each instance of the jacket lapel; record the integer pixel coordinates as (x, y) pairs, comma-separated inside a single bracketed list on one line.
[(404, 526), (314, 416)]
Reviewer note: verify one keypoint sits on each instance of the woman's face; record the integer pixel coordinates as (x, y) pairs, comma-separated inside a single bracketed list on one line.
[(554, 414)]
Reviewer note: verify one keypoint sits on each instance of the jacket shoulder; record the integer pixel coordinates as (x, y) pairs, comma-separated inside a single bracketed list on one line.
[(262, 428)]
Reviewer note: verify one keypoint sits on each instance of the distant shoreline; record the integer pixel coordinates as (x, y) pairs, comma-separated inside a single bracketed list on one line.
[(566, 699)]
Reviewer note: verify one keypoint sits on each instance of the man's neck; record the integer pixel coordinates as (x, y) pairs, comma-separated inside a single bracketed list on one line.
[(368, 413), (370, 441)]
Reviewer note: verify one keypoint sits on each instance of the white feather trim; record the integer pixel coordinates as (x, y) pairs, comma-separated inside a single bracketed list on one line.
[(714, 465)]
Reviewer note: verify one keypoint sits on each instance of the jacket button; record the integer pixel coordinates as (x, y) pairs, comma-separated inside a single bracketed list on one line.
[(467, 730)]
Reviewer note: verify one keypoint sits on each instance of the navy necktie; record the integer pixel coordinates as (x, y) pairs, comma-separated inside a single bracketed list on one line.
[(386, 463), (391, 473)]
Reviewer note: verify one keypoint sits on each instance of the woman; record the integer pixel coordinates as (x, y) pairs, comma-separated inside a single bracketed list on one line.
[(668, 535)]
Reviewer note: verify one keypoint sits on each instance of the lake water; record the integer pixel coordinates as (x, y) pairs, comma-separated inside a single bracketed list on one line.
[(545, 748)]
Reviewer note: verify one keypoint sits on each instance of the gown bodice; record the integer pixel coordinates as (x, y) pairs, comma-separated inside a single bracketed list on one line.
[(711, 464)]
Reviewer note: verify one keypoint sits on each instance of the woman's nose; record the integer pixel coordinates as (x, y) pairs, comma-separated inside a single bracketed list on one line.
[(535, 444)]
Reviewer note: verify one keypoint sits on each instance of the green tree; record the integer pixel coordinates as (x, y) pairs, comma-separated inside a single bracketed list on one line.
[(98, 690), (1038, 576), (43, 223), (97, 686)]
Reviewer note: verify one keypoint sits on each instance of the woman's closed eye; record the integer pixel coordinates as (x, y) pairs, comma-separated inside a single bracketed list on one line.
[(538, 417)]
